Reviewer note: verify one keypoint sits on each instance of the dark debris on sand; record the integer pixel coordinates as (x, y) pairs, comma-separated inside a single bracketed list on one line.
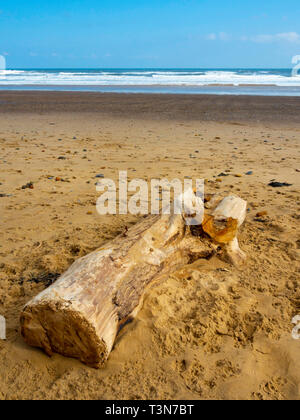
[(47, 279), (276, 184)]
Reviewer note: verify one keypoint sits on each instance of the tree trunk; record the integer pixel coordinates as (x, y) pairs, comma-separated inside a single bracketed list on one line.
[(80, 315)]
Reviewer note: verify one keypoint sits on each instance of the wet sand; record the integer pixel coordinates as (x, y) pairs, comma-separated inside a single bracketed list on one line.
[(210, 331), (285, 110)]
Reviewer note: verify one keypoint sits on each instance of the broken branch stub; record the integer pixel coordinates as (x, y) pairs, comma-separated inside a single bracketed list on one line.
[(222, 226)]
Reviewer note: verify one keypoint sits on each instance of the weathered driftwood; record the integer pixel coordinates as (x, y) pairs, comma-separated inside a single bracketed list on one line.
[(80, 315), (222, 224)]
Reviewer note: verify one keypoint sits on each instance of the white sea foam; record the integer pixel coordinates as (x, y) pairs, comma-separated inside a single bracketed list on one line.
[(147, 78)]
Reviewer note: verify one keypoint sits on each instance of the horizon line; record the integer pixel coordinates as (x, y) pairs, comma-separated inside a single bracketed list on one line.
[(149, 68)]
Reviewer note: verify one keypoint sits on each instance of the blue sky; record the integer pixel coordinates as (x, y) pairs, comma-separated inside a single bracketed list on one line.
[(153, 33)]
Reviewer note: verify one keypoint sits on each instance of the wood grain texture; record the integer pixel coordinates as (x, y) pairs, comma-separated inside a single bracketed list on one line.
[(80, 315)]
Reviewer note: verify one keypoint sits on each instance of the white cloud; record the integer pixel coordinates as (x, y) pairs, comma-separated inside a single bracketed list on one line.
[(292, 37), (211, 37), (289, 36), (222, 36), (262, 39)]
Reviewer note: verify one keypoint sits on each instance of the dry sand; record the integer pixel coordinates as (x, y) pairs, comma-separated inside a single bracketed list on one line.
[(211, 330)]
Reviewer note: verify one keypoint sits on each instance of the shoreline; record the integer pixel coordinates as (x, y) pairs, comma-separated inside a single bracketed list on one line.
[(243, 89), (215, 108)]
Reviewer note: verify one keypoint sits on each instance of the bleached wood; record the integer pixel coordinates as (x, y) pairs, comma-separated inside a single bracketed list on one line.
[(231, 212), (231, 206), (80, 315)]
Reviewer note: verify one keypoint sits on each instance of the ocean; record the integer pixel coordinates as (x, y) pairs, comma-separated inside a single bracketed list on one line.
[(271, 82)]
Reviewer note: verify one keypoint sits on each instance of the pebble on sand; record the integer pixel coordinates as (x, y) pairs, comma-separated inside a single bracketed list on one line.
[(261, 214), (28, 185)]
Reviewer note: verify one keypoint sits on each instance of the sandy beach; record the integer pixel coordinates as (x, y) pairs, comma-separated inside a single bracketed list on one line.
[(211, 331)]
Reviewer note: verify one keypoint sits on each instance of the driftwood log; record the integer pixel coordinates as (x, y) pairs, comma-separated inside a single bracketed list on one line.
[(81, 313)]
